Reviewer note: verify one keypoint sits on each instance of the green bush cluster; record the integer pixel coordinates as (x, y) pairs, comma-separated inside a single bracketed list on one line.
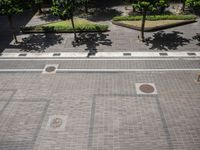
[(193, 4), (155, 17)]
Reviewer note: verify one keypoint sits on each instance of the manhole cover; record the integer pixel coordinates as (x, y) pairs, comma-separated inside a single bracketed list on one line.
[(146, 88), (56, 123), (50, 69)]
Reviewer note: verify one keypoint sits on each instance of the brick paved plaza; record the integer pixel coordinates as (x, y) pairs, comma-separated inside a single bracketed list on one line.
[(102, 111), (115, 102)]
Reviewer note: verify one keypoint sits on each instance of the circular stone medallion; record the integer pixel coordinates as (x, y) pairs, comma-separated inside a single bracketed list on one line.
[(146, 88), (50, 69), (56, 123)]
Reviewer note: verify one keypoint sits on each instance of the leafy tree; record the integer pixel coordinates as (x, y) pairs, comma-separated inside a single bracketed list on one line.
[(143, 6), (9, 8), (39, 5), (193, 4), (65, 10), (183, 7), (85, 3)]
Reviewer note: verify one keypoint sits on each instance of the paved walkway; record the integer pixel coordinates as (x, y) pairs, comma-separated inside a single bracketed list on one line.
[(146, 103), (97, 110), (182, 38)]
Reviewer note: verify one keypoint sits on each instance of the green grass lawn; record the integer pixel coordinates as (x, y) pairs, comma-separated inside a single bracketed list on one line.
[(81, 25), (155, 17), (151, 23), (154, 22)]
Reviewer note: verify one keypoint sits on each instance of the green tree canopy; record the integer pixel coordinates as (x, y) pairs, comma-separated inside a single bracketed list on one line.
[(194, 4), (9, 8), (65, 10), (143, 6)]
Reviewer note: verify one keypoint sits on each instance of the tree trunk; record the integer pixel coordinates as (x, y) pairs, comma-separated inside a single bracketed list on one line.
[(86, 7), (12, 28), (40, 8), (74, 30), (183, 7), (143, 25)]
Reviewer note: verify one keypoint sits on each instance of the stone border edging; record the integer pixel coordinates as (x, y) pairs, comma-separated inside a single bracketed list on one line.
[(27, 32), (149, 29)]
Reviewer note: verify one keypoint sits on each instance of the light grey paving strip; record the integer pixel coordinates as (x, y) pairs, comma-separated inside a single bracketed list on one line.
[(102, 54), (21, 70), (93, 70), (124, 70), (94, 59)]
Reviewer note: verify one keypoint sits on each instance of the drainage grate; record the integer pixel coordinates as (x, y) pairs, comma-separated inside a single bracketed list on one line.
[(146, 88), (163, 54), (57, 123), (56, 54), (50, 69), (22, 54), (191, 54), (126, 54)]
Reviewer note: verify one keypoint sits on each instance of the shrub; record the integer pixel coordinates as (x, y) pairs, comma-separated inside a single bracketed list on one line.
[(193, 4)]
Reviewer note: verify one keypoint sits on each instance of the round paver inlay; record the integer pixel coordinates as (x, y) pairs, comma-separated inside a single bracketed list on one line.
[(56, 123), (146, 88), (50, 69)]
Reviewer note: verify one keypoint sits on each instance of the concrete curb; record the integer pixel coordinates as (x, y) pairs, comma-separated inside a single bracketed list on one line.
[(102, 55)]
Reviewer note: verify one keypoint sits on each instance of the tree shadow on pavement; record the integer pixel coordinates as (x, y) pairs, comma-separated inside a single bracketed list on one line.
[(5, 31), (39, 42), (92, 41), (166, 41), (197, 37), (103, 14), (49, 17)]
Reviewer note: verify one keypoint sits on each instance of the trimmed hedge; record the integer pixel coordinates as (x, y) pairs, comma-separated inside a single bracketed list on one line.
[(155, 17), (81, 25)]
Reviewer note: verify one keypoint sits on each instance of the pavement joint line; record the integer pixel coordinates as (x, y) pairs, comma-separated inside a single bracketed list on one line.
[(21, 70), (99, 70), (95, 59), (124, 70)]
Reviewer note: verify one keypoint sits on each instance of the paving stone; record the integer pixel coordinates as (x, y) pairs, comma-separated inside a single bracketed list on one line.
[(104, 111), (179, 38)]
